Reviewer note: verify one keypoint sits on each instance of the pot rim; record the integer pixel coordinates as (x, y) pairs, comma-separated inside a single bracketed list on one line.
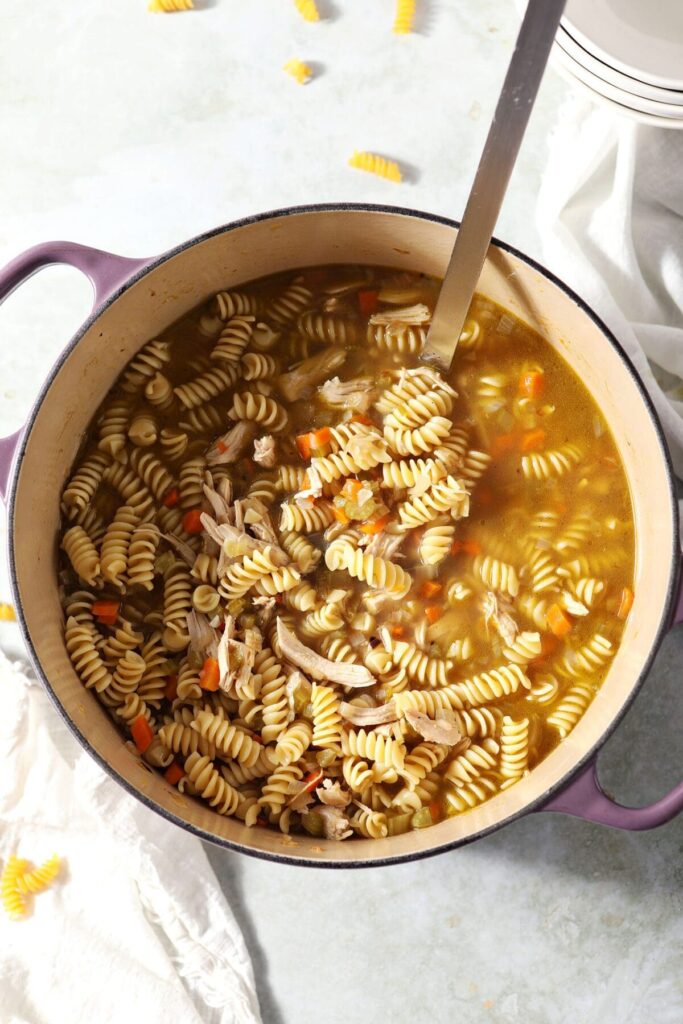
[(433, 850)]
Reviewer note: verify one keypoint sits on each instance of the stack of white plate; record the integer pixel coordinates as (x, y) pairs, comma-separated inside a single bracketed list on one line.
[(628, 54)]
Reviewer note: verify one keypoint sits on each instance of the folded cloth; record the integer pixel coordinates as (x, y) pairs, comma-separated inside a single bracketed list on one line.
[(610, 217), (135, 927)]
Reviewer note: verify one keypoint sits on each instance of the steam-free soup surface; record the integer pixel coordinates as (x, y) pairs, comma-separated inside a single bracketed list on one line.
[(323, 586)]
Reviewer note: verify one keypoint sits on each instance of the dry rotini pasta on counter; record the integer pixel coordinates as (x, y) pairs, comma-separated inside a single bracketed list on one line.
[(322, 586)]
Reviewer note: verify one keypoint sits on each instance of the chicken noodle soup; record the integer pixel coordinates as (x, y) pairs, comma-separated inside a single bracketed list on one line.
[(328, 589)]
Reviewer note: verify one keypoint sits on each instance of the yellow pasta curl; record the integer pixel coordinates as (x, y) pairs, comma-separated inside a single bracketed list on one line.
[(307, 9), (299, 71), (404, 17), (169, 6), (375, 164)]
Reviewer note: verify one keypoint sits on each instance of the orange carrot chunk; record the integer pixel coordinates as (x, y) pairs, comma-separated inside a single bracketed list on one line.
[(397, 630), (210, 675), (303, 444), (532, 441), (433, 612), (626, 603), (471, 547), (340, 515), (559, 622), (429, 589), (531, 383), (192, 521), (368, 301), (172, 498), (174, 773), (106, 612), (375, 525), (142, 734), (319, 438)]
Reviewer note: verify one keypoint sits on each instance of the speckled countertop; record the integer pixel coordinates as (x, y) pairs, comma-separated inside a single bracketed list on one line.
[(132, 132)]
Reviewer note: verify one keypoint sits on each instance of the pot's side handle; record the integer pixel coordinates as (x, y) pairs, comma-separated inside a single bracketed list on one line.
[(105, 271), (585, 798)]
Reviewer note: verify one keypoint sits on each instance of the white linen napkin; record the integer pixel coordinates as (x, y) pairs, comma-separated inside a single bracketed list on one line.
[(610, 217), (135, 928)]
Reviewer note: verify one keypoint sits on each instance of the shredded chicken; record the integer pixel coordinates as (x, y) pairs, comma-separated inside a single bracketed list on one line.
[(314, 665), (357, 394), (495, 611), (231, 446), (386, 545), (364, 717), (335, 823), (236, 657), (264, 451), (441, 731), (181, 548), (417, 314), (266, 610), (332, 795), (263, 528), (299, 383), (314, 489), (203, 638)]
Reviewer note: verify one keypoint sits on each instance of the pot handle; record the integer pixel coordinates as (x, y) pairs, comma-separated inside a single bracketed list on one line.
[(585, 798), (105, 271)]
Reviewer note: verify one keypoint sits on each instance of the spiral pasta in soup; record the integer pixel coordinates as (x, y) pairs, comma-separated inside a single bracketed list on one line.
[(328, 589)]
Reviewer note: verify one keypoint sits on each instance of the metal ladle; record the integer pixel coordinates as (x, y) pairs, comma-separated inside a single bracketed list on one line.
[(510, 119)]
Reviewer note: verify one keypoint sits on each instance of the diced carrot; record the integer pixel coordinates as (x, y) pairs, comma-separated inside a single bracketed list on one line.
[(359, 418), (502, 444), (375, 525), (433, 612), (558, 621), (532, 441), (107, 620), (142, 734), (429, 589), (106, 612), (435, 811), (351, 487), (210, 675), (531, 383), (626, 603), (303, 443), (312, 780), (192, 521), (174, 773), (171, 690), (340, 515), (471, 547), (172, 498), (321, 437), (368, 301), (397, 630)]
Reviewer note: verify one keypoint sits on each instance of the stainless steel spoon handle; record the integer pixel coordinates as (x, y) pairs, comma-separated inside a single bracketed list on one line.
[(516, 99)]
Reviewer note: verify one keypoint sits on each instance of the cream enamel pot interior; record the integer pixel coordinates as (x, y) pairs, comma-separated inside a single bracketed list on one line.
[(135, 300)]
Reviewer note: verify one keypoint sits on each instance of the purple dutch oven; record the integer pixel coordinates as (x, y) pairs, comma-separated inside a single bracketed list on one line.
[(134, 300)]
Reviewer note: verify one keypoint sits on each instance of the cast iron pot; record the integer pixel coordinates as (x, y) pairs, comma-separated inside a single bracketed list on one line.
[(135, 300)]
